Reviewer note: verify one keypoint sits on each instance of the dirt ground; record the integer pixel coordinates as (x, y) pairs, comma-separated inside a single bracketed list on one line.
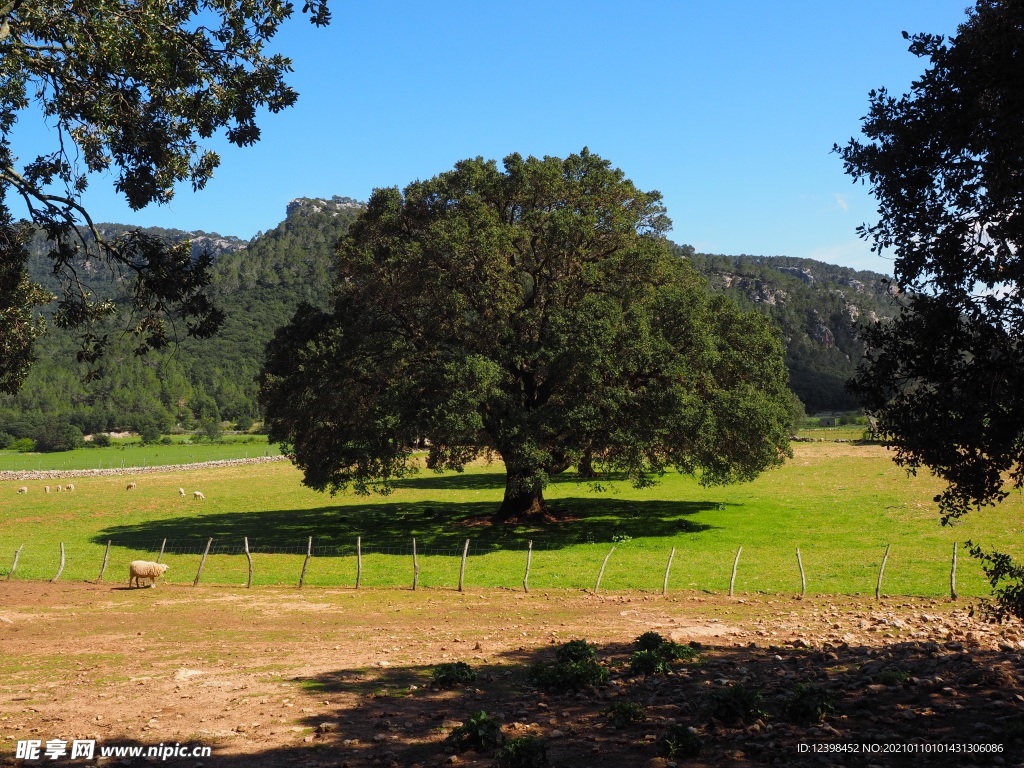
[(325, 677)]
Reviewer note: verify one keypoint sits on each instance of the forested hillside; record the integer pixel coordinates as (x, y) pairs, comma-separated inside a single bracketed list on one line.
[(258, 285)]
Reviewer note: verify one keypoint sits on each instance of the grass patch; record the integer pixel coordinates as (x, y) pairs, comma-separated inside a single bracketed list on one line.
[(841, 504)]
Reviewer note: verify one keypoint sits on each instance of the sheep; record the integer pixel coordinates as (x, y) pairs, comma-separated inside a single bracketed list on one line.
[(130, 486), (198, 495), (46, 488), (23, 489), (69, 487), (144, 569), (60, 489), (181, 492)]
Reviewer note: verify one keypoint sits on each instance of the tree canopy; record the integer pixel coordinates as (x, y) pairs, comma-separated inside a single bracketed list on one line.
[(535, 313), (134, 88), (946, 164)]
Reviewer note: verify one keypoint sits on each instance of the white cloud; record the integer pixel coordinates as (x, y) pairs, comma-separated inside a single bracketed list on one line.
[(842, 202)]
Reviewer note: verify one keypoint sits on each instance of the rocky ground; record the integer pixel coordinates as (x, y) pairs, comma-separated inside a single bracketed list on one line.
[(334, 678)]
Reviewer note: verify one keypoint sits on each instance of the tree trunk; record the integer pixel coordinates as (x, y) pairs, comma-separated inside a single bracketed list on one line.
[(585, 467), (523, 499)]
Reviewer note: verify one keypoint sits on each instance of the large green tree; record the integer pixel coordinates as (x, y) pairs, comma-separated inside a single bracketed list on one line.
[(132, 87), (534, 313), (946, 163)]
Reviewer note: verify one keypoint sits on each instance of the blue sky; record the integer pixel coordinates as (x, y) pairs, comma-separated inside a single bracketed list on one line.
[(730, 109)]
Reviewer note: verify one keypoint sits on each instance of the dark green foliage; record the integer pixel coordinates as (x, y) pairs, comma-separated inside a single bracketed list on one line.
[(535, 313), (523, 752), (6, 440), (1007, 580), (576, 651), (148, 429), (893, 676), (55, 435), (654, 654), (623, 713), (680, 741), (453, 674), (243, 423), (480, 733), (133, 90), (946, 164), (809, 704), (101, 440), (575, 667), (735, 704)]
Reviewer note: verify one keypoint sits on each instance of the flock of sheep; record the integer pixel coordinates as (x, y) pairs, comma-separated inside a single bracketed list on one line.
[(130, 487), (137, 569)]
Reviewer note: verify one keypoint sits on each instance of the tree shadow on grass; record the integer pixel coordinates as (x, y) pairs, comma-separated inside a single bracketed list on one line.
[(490, 481), (436, 525)]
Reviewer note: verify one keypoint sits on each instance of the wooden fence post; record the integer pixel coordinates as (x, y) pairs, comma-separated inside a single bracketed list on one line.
[(61, 569), (248, 556), (878, 586), (664, 585), (462, 570), (735, 563), (15, 564), (359, 560), (162, 545), (597, 586), (952, 575), (202, 562), (103, 567), (415, 567), (529, 556), (803, 579), (309, 554)]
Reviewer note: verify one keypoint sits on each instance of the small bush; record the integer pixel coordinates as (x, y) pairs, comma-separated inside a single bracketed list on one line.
[(166, 440), (451, 675), (655, 654), (893, 676), (575, 668), (6, 440), (576, 650), (480, 733), (524, 752), (24, 445), (101, 440), (736, 704), (680, 741), (623, 713), (809, 704)]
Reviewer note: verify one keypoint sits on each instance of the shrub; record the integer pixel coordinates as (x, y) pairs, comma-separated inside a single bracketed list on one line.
[(24, 445), (575, 650), (893, 676), (6, 440), (736, 704), (655, 654), (166, 440), (480, 732), (575, 668), (524, 752), (53, 436), (680, 741), (623, 713), (809, 704), (101, 440), (450, 675)]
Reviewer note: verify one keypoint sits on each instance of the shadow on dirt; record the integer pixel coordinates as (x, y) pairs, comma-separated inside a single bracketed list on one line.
[(906, 704)]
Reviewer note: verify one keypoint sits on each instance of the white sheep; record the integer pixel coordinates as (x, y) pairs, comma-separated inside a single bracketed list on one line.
[(144, 569), (46, 488), (69, 487), (198, 495), (181, 492), (23, 489), (60, 489), (130, 486)]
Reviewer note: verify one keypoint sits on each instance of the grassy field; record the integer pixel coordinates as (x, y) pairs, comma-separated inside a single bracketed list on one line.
[(131, 453), (841, 504)]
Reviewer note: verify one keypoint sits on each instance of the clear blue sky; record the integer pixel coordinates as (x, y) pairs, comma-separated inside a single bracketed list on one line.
[(730, 109)]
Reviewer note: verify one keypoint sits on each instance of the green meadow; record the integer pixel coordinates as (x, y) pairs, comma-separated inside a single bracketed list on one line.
[(840, 503), (132, 453)]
